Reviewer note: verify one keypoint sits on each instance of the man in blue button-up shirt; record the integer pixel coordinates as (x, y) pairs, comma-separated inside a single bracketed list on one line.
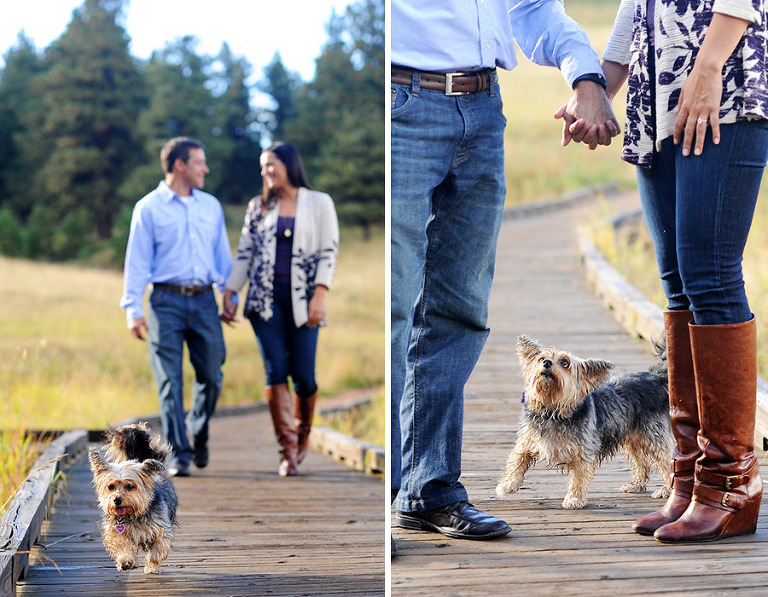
[(447, 199), (178, 244)]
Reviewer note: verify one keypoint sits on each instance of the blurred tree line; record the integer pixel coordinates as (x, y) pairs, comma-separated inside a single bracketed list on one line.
[(82, 123)]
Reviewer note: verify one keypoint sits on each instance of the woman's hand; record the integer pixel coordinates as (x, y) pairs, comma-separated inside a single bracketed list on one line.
[(702, 92), (229, 310), (316, 308)]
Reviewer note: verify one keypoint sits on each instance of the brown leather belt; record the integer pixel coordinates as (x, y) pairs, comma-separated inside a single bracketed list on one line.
[(449, 83), (186, 290)]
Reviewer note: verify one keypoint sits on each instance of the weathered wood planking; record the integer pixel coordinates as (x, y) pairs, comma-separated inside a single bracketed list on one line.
[(540, 290), (243, 530)]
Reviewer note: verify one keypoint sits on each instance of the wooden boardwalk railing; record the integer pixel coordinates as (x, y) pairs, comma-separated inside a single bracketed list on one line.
[(243, 530), (540, 290)]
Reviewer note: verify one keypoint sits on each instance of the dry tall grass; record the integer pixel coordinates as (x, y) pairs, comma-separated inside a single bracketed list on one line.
[(67, 360), (537, 167), (630, 251)]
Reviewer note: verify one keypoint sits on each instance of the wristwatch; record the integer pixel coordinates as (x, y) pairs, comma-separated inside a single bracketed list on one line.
[(594, 77)]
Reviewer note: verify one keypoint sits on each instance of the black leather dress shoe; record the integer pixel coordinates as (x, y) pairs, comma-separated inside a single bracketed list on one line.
[(201, 455), (460, 520)]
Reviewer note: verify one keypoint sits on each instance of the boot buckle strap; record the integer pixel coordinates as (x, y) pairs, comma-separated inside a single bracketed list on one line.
[(680, 465), (726, 499), (724, 481)]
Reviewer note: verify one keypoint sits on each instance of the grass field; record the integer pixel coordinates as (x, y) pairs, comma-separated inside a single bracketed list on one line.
[(67, 360), (537, 167), (631, 253)]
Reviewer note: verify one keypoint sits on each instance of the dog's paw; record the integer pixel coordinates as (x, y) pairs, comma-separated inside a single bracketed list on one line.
[(124, 564), (633, 488), (572, 503), (662, 492), (152, 568), (505, 488)]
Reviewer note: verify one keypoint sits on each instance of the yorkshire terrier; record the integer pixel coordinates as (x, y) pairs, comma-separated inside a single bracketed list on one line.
[(138, 502), (575, 417)]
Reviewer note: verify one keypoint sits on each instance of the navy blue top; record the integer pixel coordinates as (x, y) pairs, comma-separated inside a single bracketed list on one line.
[(284, 250)]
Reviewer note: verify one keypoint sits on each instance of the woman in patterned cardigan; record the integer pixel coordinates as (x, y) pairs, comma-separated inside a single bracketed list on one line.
[(696, 72), (288, 249)]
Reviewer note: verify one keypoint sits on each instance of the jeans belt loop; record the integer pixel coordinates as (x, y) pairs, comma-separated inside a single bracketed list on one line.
[(415, 82)]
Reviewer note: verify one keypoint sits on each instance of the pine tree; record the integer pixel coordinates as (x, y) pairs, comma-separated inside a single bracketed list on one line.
[(92, 95)]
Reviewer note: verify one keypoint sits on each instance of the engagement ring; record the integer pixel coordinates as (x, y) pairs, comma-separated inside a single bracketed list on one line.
[(701, 120)]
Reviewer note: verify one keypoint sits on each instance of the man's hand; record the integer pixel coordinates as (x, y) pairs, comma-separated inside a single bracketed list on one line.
[(588, 116), (138, 328), (229, 308)]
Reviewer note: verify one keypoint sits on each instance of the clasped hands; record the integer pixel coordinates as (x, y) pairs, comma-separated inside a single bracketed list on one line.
[(588, 116)]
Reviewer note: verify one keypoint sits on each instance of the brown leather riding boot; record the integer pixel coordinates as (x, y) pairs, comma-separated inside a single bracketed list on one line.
[(728, 489), (304, 411), (684, 416), (280, 407)]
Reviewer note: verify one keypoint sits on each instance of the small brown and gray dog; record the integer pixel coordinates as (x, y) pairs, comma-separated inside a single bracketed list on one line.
[(574, 417), (137, 501)]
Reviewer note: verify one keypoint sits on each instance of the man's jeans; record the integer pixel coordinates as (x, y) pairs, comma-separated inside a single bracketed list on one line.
[(173, 319), (447, 202), (699, 211)]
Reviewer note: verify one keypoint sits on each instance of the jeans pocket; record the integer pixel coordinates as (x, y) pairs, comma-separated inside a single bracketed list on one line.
[(402, 99)]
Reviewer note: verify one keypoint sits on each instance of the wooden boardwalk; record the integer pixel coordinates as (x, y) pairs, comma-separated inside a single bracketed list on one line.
[(243, 530), (540, 291)]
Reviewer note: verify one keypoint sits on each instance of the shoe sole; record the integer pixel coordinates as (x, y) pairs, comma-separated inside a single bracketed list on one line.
[(416, 524)]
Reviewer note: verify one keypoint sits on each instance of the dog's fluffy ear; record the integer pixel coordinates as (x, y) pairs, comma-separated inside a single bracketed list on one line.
[(97, 462), (527, 348), (153, 466), (593, 373)]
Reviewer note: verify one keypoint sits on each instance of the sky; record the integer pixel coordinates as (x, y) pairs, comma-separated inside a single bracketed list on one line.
[(254, 29)]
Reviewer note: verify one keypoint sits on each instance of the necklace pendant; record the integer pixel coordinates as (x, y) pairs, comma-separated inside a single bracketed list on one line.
[(120, 528)]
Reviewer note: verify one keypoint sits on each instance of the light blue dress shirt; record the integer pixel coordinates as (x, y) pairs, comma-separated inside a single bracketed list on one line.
[(460, 35), (174, 242)]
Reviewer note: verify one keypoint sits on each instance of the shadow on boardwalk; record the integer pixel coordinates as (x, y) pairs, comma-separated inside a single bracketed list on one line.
[(540, 291), (243, 530)]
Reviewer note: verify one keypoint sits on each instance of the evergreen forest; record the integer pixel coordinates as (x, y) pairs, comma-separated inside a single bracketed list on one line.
[(82, 123)]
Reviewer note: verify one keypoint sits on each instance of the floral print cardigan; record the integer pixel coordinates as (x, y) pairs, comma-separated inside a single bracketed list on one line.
[(313, 259), (679, 29)]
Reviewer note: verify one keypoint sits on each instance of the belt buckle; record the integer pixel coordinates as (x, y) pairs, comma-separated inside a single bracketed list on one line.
[(449, 84), (187, 290)]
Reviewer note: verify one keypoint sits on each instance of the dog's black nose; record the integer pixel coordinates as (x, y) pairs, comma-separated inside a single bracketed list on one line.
[(118, 501), (546, 363)]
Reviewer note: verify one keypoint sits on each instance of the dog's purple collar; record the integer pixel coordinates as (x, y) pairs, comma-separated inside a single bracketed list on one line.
[(522, 398)]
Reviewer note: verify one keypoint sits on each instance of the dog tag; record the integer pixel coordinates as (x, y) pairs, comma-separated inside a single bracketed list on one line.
[(119, 528)]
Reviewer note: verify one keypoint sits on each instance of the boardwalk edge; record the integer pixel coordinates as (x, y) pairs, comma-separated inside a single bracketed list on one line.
[(22, 522), (638, 315)]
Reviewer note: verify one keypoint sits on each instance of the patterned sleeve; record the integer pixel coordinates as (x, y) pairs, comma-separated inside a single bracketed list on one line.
[(749, 10), (245, 250), (329, 245), (617, 49)]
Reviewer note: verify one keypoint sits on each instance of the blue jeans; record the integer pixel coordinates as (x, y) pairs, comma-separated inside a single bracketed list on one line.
[(287, 351), (448, 194), (173, 319), (699, 210)]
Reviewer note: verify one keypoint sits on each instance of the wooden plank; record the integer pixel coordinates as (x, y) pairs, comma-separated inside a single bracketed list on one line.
[(540, 290), (243, 529), (23, 519)]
